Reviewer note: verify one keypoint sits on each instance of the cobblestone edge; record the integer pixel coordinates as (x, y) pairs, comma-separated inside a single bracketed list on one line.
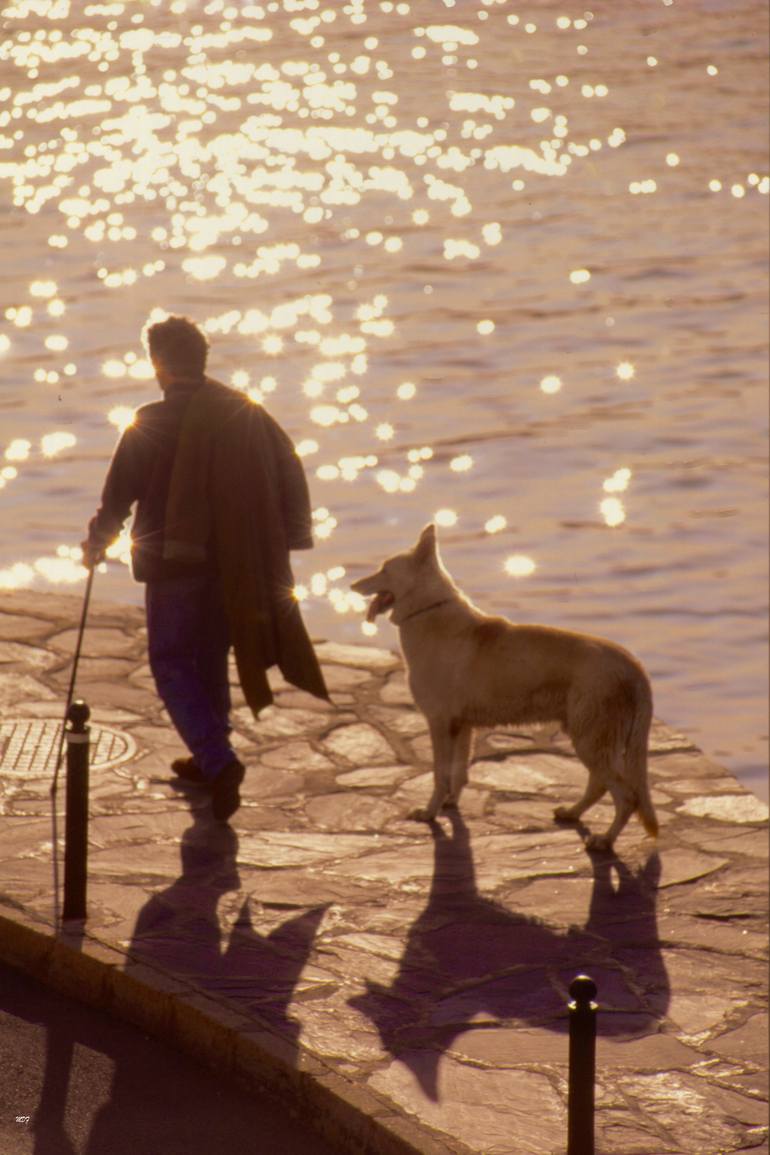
[(81, 967)]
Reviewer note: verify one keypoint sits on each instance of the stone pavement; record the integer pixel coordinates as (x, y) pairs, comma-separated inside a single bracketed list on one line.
[(406, 986)]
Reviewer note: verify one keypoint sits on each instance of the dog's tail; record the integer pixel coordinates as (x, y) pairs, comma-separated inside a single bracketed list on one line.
[(636, 761)]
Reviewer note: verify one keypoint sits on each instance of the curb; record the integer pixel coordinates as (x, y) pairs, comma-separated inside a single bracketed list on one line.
[(81, 967)]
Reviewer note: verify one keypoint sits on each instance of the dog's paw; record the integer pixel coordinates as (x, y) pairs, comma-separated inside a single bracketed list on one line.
[(599, 844), (564, 814), (420, 814)]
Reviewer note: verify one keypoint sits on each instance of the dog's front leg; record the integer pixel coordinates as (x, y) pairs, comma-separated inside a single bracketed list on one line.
[(442, 741), (462, 734)]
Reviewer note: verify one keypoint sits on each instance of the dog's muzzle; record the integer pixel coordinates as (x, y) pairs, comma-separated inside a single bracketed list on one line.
[(380, 604)]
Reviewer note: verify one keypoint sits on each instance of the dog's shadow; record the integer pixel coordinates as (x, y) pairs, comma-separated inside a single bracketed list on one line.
[(470, 962)]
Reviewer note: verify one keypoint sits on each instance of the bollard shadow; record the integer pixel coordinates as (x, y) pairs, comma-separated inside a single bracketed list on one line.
[(48, 1124), (472, 962)]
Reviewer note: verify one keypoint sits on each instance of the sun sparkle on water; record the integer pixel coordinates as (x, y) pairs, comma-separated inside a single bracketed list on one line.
[(273, 165)]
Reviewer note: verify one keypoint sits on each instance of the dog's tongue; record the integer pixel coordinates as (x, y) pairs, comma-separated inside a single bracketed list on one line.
[(379, 604)]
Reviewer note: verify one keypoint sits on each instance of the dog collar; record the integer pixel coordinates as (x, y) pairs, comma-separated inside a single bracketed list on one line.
[(425, 610)]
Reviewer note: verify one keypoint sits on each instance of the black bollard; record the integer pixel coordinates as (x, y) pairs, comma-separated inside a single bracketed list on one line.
[(582, 1067), (76, 819)]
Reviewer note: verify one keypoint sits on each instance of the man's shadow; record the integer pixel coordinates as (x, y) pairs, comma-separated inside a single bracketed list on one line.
[(471, 962), (179, 930)]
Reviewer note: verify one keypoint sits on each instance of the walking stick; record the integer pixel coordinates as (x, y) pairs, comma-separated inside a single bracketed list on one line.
[(75, 660)]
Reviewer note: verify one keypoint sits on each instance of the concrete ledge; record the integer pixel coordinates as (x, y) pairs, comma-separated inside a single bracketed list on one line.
[(92, 972)]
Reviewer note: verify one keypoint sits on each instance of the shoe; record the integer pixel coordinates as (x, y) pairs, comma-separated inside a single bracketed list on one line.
[(225, 798), (188, 769)]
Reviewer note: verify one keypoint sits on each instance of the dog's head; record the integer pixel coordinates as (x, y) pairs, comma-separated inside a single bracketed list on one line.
[(398, 576)]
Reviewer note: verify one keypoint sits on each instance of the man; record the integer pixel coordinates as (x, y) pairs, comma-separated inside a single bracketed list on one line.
[(221, 498)]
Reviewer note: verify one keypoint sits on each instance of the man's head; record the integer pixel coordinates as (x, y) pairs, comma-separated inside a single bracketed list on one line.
[(177, 349)]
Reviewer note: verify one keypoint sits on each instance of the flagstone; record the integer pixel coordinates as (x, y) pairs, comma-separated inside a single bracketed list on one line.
[(48, 606), (118, 693), (51, 707), (472, 1104), (562, 901), (335, 1030), (263, 782), (353, 965), (98, 642), (416, 789), (296, 756), (526, 815), (474, 802), (384, 945), (407, 722), (359, 743), (342, 811), (748, 1042), (279, 722), (727, 808), (711, 935), (682, 866), (401, 864), (751, 843), (422, 749), (343, 677), (35, 657), (512, 776), (372, 776), (133, 865), (359, 657), (396, 691), (298, 848), (690, 970), (298, 699), (22, 628), (503, 1047), (697, 1014), (682, 1105), (299, 888), (16, 687), (95, 669), (680, 787), (679, 766), (665, 738), (22, 836)]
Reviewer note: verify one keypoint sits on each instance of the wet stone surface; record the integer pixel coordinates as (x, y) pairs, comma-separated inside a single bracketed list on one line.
[(428, 964)]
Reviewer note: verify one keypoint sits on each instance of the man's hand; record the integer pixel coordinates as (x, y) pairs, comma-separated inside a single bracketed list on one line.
[(92, 554)]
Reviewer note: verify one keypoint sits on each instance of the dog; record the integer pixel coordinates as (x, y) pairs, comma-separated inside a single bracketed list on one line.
[(467, 668)]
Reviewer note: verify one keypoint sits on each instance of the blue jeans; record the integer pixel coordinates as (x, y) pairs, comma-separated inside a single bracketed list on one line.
[(188, 642)]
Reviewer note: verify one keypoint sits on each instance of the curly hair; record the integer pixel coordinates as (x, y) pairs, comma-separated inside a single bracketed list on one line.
[(179, 345)]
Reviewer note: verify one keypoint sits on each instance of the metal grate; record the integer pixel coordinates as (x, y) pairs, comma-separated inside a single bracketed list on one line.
[(28, 747)]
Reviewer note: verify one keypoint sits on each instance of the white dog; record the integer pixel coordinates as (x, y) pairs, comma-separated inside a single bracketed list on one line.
[(469, 669)]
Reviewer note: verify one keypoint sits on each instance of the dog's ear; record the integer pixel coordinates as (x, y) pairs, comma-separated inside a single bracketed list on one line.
[(426, 544)]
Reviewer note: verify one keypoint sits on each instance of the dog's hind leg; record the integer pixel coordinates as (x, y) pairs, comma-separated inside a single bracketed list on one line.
[(599, 782), (443, 742), (595, 789), (462, 734), (598, 737), (625, 804)]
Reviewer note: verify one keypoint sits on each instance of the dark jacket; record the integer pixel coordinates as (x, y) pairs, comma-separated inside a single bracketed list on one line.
[(140, 473), (238, 491)]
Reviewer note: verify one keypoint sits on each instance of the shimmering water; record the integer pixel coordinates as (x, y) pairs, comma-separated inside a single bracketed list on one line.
[(500, 266)]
